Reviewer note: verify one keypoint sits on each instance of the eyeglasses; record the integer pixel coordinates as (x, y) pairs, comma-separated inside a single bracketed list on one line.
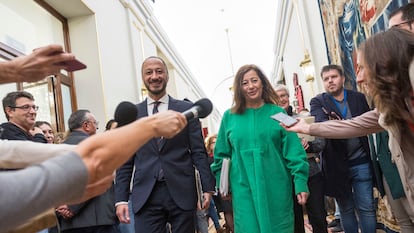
[(404, 22), (26, 107), (94, 122)]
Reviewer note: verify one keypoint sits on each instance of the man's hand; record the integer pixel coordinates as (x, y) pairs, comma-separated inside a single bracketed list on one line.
[(41, 63), (168, 123), (206, 202), (64, 211), (35, 131), (122, 211)]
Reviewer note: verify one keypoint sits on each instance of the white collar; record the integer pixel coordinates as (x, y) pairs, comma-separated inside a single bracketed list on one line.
[(163, 100)]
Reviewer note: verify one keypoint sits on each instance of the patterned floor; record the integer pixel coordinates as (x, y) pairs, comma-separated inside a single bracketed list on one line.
[(308, 227)]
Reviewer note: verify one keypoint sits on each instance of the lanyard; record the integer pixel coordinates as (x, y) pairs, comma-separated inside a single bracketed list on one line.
[(345, 109)]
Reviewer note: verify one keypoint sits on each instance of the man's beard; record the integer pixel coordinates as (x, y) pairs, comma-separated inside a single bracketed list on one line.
[(156, 92), (337, 92)]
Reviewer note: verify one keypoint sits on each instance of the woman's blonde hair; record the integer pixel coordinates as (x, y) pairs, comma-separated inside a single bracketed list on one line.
[(208, 141)]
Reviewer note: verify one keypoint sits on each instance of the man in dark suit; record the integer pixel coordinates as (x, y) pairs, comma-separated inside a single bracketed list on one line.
[(96, 215), (164, 188), (346, 162)]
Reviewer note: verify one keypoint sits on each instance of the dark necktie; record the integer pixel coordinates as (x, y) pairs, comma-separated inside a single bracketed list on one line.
[(158, 140), (155, 109)]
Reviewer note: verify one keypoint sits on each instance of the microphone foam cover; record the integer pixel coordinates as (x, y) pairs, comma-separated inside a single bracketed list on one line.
[(205, 107), (125, 113)]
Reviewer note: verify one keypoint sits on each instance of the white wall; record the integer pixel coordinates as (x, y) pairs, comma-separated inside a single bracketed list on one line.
[(112, 38), (113, 41), (290, 45)]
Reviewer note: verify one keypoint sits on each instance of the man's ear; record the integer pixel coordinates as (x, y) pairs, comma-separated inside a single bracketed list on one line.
[(85, 126), (9, 111)]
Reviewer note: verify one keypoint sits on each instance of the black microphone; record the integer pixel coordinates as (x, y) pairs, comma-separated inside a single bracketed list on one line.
[(200, 109), (125, 113)]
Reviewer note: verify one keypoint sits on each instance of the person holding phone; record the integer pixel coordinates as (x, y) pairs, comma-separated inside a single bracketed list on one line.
[(388, 73), (265, 158)]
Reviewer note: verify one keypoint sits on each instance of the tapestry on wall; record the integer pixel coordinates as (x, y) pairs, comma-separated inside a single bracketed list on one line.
[(347, 23)]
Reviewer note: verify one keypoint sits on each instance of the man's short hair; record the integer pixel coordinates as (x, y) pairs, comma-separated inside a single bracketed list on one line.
[(77, 118), (10, 99), (332, 67), (281, 87), (407, 12), (155, 57)]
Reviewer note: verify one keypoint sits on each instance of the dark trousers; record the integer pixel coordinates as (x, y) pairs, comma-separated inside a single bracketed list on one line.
[(298, 212), (94, 229), (159, 209), (315, 205)]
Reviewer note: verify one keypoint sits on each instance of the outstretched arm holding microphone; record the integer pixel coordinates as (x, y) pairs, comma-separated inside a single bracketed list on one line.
[(79, 175), (71, 176)]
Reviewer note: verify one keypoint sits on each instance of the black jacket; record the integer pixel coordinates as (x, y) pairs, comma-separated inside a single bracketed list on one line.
[(98, 211), (13, 132)]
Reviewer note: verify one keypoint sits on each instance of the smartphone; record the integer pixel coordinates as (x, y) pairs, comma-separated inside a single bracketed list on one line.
[(284, 119), (74, 65)]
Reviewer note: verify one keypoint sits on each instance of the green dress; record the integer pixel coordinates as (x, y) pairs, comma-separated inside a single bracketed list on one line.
[(264, 160)]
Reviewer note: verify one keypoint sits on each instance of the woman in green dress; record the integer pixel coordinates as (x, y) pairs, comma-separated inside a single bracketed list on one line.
[(265, 158)]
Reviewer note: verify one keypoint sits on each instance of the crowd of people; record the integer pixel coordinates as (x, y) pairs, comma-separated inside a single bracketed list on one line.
[(274, 176)]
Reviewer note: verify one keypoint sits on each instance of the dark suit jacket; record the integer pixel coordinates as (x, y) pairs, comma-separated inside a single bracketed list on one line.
[(177, 156), (97, 211), (13, 132), (334, 162)]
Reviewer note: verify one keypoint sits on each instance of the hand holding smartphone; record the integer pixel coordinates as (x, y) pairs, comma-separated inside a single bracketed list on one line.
[(284, 119), (71, 65)]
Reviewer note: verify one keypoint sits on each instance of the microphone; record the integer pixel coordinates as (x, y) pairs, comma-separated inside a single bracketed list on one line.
[(125, 113), (200, 109)]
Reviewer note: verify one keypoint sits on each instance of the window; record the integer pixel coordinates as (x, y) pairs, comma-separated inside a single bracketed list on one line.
[(35, 24)]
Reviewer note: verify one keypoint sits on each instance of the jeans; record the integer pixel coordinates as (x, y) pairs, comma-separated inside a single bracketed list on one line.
[(212, 212), (361, 201)]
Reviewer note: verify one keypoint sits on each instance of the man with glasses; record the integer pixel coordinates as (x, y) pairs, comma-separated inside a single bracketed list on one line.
[(21, 114), (403, 17), (96, 214)]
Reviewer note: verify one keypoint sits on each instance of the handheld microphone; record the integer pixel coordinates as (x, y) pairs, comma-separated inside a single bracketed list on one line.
[(200, 109), (125, 113)]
